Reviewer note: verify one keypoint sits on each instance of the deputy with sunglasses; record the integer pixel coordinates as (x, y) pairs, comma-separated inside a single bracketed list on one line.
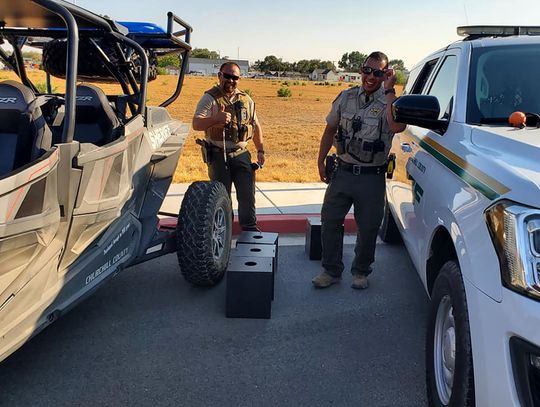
[(361, 126), (227, 116)]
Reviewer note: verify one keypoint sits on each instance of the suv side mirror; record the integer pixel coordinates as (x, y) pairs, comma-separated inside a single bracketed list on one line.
[(419, 110)]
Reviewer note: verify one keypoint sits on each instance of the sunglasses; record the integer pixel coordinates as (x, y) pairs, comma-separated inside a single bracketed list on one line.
[(229, 76), (377, 73)]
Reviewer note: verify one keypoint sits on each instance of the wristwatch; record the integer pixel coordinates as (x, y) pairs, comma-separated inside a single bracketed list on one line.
[(391, 90)]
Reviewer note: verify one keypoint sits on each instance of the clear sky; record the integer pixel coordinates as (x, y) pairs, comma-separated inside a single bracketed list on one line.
[(317, 29)]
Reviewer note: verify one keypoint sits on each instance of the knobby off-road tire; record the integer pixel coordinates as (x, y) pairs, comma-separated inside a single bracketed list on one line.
[(90, 66), (388, 231), (204, 233), (449, 364)]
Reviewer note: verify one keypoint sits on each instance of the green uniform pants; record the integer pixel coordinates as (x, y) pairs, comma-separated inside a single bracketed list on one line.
[(366, 192), (239, 172)]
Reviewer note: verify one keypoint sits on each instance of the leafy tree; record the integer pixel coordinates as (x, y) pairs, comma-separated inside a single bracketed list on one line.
[(352, 61), (401, 78), (397, 64), (168, 60), (271, 63), (204, 53), (36, 56)]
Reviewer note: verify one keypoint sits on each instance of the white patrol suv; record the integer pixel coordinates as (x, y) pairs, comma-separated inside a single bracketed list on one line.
[(465, 198)]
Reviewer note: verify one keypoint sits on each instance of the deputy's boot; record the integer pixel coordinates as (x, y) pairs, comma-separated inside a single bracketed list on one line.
[(359, 281), (324, 280)]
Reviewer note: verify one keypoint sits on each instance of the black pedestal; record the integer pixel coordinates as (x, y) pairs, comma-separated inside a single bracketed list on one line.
[(249, 287), (313, 238), (258, 250), (258, 238)]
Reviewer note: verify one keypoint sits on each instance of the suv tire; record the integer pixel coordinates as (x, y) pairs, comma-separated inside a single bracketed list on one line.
[(204, 233), (388, 231), (449, 365)]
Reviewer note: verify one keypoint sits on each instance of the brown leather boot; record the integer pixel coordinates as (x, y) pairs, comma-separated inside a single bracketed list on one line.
[(324, 280), (359, 281)]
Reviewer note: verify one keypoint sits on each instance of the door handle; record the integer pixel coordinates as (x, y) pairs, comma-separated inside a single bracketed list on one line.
[(406, 147)]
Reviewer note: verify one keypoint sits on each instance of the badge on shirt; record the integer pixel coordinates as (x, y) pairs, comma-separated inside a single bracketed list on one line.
[(244, 115), (375, 111)]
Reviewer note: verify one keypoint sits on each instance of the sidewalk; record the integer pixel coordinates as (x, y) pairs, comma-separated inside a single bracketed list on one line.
[(281, 207)]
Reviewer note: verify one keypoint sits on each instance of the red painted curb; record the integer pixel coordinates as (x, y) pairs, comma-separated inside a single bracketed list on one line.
[(296, 223)]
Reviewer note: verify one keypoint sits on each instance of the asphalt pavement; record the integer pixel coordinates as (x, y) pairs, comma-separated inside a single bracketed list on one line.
[(148, 338)]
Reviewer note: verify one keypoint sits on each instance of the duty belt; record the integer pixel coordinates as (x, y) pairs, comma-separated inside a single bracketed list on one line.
[(231, 152), (362, 169)]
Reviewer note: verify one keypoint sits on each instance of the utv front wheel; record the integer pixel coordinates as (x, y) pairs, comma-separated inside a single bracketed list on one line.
[(449, 364), (204, 233)]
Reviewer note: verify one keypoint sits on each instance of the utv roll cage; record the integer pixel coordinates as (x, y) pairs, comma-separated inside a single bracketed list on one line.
[(36, 22)]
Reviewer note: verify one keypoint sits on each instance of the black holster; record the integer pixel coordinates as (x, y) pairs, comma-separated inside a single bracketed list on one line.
[(206, 150), (330, 163)]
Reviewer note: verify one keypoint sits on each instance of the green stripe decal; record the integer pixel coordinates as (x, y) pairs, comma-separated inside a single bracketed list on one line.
[(484, 189), (482, 182)]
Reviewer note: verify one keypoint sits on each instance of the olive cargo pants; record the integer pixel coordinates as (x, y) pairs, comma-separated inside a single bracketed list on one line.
[(366, 192), (239, 172)]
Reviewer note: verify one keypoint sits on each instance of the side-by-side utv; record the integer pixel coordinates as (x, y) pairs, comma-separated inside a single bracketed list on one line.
[(83, 174)]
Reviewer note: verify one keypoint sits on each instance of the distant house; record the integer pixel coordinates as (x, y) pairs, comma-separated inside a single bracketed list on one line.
[(323, 75), (208, 67), (349, 77)]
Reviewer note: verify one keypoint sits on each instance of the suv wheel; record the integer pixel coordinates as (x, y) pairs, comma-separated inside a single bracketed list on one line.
[(449, 367), (204, 233), (388, 231)]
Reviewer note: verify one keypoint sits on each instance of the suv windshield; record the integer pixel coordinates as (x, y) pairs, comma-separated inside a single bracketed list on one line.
[(503, 80)]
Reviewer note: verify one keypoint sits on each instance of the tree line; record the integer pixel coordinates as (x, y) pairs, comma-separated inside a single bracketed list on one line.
[(350, 62)]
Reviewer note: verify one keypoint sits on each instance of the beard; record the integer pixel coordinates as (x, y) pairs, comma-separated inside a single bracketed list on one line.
[(229, 87)]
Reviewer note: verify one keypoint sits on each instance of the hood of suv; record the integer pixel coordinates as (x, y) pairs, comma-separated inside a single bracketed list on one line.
[(513, 152), (523, 143)]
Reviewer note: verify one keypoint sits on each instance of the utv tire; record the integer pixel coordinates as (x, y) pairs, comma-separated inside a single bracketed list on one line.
[(449, 364), (93, 68), (388, 231), (204, 233)]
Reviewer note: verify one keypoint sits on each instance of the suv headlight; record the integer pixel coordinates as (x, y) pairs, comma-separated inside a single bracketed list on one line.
[(515, 231)]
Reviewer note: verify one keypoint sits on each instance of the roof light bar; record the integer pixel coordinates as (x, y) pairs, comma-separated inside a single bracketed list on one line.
[(496, 30)]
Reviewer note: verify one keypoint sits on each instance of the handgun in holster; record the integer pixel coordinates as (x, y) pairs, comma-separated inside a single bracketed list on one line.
[(206, 150), (330, 163), (340, 141), (391, 165)]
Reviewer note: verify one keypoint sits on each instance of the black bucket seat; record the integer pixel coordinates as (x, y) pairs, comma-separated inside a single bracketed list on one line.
[(95, 120), (24, 134)]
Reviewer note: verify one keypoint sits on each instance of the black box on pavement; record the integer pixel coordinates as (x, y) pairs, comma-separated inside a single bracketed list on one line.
[(258, 250), (249, 287), (313, 238), (258, 238)]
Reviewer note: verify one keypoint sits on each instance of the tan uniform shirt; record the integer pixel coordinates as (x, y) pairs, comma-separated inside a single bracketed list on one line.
[(353, 105), (207, 107)]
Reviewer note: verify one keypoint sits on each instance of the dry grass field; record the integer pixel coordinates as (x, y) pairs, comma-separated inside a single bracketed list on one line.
[(291, 126)]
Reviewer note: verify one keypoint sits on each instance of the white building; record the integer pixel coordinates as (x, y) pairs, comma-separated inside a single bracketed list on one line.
[(349, 77), (208, 67), (323, 75)]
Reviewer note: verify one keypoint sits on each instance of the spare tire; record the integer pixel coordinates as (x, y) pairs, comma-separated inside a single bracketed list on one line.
[(90, 66), (204, 233)]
